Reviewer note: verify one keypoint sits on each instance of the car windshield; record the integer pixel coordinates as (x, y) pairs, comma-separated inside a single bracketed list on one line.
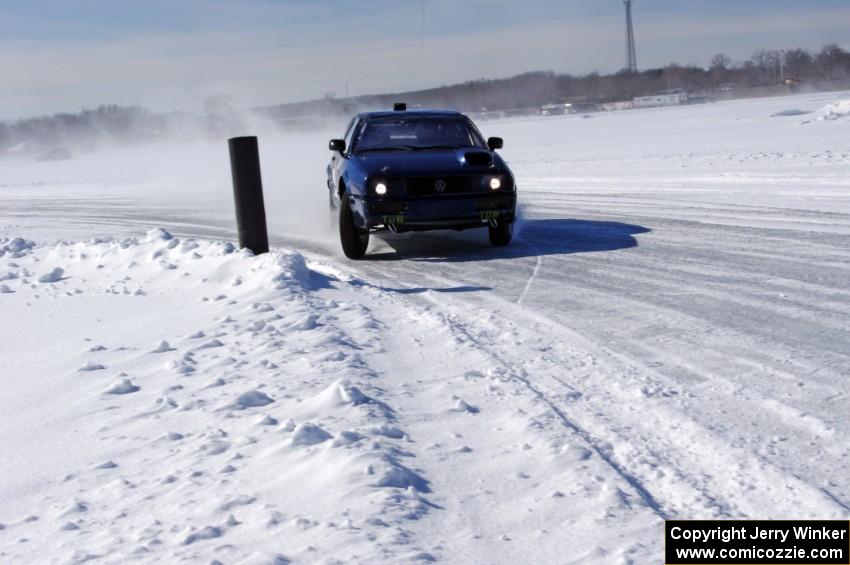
[(402, 133)]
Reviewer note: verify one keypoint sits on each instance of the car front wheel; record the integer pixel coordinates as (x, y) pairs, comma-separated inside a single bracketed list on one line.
[(501, 234), (354, 240)]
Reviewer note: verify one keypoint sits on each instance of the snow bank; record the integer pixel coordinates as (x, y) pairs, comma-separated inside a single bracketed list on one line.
[(14, 247), (210, 421), (831, 112), (122, 265)]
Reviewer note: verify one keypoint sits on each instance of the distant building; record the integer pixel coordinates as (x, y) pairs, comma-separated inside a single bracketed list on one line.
[(556, 109), (617, 106), (670, 98)]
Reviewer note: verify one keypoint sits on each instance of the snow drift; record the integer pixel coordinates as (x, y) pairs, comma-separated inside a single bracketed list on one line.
[(832, 112), (177, 359)]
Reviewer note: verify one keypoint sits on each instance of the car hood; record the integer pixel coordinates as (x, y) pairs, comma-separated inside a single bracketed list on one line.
[(412, 163)]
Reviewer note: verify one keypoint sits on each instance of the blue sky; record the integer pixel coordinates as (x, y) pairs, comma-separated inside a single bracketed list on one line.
[(62, 55)]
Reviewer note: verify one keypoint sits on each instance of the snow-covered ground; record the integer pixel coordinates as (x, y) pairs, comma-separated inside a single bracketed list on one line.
[(668, 336)]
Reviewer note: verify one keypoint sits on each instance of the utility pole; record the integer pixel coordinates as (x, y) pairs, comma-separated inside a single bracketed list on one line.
[(631, 55)]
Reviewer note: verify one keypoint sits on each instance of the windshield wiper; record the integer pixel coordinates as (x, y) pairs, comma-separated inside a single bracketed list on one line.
[(409, 148), (393, 148), (442, 147)]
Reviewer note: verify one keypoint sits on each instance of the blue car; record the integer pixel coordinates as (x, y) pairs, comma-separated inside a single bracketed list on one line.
[(415, 170)]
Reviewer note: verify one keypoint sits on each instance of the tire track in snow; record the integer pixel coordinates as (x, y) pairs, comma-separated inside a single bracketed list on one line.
[(649, 440), (534, 273), (520, 376), (712, 492)]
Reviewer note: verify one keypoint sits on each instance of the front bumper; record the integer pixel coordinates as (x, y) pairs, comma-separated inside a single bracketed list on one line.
[(455, 211)]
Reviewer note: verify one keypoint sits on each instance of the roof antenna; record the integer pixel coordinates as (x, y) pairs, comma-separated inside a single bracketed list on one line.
[(399, 107)]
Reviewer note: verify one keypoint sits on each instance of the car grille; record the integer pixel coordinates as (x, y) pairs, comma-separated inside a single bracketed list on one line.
[(427, 186)]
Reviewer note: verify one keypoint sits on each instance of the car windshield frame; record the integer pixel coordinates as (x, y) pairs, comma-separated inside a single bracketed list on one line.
[(406, 138)]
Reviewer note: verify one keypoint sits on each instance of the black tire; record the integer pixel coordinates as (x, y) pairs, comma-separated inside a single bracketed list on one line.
[(354, 240), (502, 234)]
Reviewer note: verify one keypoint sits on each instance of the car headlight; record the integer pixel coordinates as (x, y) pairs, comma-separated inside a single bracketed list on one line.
[(380, 189), (495, 183)]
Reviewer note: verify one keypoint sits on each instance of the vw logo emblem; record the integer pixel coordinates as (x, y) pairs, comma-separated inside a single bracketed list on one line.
[(440, 185)]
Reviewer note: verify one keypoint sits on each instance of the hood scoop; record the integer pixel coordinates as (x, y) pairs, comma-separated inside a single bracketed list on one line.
[(477, 158)]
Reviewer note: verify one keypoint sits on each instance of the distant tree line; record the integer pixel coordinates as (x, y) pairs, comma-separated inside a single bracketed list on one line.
[(765, 68), (82, 131), (827, 68), (62, 135)]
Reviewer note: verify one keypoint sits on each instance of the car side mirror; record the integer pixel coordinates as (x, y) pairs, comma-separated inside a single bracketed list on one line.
[(337, 145), (495, 143)]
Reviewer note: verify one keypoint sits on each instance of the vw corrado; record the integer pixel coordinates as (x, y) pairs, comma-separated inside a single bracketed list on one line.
[(418, 170)]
